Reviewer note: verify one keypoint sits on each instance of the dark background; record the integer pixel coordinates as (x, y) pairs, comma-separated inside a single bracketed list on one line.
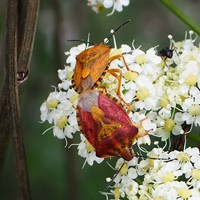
[(56, 172)]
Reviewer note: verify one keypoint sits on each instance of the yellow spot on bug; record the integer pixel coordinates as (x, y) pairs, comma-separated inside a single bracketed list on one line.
[(191, 80), (184, 193), (194, 110), (169, 125), (130, 76), (168, 177), (62, 121), (142, 93), (196, 174), (183, 157), (141, 59), (53, 103)]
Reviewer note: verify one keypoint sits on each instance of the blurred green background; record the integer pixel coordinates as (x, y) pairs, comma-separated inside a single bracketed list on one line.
[(56, 172)]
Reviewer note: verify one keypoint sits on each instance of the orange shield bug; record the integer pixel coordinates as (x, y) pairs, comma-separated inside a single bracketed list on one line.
[(106, 125), (93, 63)]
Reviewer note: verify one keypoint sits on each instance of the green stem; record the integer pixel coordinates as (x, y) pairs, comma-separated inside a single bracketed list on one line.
[(194, 137), (181, 15)]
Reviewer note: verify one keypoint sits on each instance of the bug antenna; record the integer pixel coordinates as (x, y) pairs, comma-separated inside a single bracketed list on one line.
[(147, 157), (81, 40), (113, 178), (117, 30)]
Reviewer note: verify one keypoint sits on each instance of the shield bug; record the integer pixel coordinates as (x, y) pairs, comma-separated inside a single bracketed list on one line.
[(92, 64), (106, 125)]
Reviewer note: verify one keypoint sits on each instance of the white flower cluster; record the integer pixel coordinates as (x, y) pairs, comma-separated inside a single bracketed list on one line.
[(116, 5), (169, 176), (164, 95)]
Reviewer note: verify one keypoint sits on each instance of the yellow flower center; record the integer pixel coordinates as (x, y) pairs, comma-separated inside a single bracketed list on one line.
[(169, 125), (196, 174), (62, 121), (158, 198), (183, 157), (73, 98), (141, 59), (194, 110), (89, 147), (168, 177), (69, 75), (151, 160), (53, 103), (117, 193), (124, 169), (142, 93), (130, 75), (184, 193), (162, 64), (191, 80), (115, 52), (164, 101)]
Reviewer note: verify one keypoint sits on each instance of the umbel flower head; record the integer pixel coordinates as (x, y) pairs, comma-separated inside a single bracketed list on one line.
[(164, 97)]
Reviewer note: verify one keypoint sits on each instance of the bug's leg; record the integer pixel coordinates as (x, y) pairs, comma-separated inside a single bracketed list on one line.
[(141, 131), (117, 56), (114, 72), (101, 87)]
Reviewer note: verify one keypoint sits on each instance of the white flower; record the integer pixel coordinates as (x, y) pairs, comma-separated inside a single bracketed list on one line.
[(49, 108), (74, 51), (116, 4), (191, 107), (86, 150), (65, 76), (162, 100), (145, 94), (96, 5)]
